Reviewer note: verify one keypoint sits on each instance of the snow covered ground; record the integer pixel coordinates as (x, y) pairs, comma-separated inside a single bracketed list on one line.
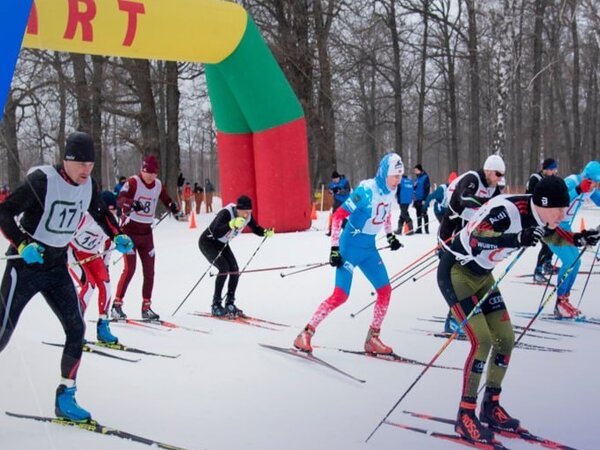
[(225, 392)]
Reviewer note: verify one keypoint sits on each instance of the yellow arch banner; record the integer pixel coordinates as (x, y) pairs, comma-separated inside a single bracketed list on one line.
[(176, 30)]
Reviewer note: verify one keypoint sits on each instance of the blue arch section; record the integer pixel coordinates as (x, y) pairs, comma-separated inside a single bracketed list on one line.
[(13, 20)]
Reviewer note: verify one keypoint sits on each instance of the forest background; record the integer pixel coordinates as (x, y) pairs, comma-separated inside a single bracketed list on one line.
[(443, 83)]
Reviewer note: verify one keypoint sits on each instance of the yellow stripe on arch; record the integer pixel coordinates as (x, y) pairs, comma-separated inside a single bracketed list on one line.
[(176, 30)]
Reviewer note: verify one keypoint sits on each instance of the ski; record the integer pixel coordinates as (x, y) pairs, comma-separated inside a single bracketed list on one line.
[(523, 345), (533, 283), (310, 357), (96, 427), (170, 325), (88, 349), (123, 348), (553, 318), (239, 320), (393, 357), (463, 337), (439, 319), (451, 437), (139, 323), (268, 322), (521, 433)]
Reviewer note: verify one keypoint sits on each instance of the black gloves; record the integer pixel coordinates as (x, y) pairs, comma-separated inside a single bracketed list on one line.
[(587, 237), (394, 243), (335, 259), (137, 205), (173, 207), (529, 237)]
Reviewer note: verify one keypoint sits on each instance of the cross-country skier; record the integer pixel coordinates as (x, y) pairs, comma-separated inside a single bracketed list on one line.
[(39, 219), (500, 227), (581, 186), (366, 212), (138, 200), (214, 245)]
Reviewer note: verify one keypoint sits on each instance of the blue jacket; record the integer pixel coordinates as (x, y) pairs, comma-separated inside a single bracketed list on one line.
[(340, 190), (405, 191), (440, 205), (422, 186)]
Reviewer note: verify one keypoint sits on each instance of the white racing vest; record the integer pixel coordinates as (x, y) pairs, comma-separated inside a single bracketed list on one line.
[(148, 197), (233, 233), (64, 206), (482, 191), (89, 237)]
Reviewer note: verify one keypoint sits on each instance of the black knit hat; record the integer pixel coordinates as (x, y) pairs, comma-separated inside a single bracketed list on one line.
[(549, 164), (79, 147), (335, 174), (419, 167), (551, 192), (244, 203)]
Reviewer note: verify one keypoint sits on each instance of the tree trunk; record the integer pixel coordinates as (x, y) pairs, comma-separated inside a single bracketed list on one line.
[(82, 95), (9, 132), (96, 119), (397, 85), (474, 133), (422, 85), (173, 150), (575, 156), (536, 92)]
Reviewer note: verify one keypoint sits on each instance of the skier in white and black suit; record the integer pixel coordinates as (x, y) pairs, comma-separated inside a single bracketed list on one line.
[(39, 219)]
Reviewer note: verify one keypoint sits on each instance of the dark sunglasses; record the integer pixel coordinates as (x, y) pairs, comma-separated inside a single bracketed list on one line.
[(499, 174)]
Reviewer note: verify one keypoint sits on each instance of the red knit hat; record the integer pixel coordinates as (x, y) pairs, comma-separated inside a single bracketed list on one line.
[(150, 164)]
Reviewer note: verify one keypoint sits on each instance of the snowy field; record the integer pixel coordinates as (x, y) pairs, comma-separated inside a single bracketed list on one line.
[(226, 393)]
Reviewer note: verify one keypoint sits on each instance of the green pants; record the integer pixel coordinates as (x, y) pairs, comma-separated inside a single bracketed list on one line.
[(489, 329)]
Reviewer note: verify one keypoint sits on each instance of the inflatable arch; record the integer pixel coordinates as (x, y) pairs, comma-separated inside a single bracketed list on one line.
[(262, 143)]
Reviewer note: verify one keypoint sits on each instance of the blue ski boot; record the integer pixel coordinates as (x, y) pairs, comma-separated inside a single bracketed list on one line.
[(451, 325), (103, 332), (66, 406)]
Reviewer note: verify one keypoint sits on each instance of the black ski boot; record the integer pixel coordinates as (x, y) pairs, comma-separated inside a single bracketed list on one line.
[(231, 309), (147, 313), (494, 415), (468, 425), (217, 309)]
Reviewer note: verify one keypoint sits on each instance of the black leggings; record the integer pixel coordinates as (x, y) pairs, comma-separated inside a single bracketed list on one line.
[(220, 256), (20, 283)]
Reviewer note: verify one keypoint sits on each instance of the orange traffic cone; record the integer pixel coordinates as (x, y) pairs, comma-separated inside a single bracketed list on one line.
[(192, 220), (313, 214), (582, 225)]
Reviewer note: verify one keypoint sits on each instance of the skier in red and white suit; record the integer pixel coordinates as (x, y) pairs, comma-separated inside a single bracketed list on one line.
[(88, 241), (138, 200)]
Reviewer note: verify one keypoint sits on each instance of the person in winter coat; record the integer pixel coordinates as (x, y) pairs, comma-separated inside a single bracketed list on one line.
[(198, 196), (366, 212), (188, 195), (544, 264), (339, 187), (404, 196), (422, 188), (215, 245), (209, 191)]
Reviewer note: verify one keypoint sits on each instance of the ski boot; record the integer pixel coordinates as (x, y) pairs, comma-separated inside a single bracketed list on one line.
[(564, 309), (103, 332), (230, 309), (451, 325), (147, 313), (302, 341), (217, 309), (538, 276), (66, 406), (373, 344), (468, 425), (494, 415), (116, 312)]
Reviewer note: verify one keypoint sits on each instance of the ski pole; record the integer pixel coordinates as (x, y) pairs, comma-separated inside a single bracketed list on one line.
[(266, 269), (425, 274), (543, 304), (11, 257), (450, 339), (588, 276), (418, 272), (153, 226), (353, 315), (200, 279), (428, 254), (304, 270), (254, 254), (407, 274), (89, 258)]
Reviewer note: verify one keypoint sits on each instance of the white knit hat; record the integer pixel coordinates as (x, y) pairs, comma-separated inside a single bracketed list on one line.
[(494, 162)]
